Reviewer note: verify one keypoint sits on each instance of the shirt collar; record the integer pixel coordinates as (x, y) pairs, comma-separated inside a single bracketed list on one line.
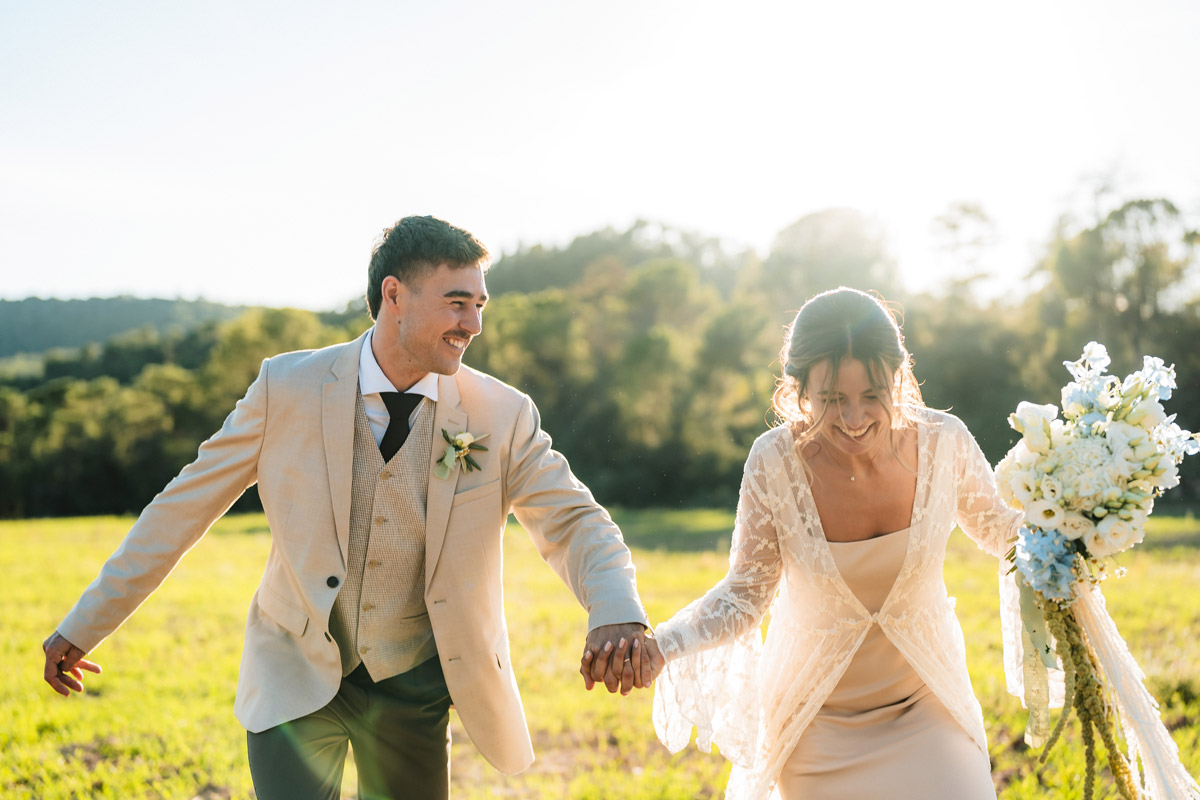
[(371, 379)]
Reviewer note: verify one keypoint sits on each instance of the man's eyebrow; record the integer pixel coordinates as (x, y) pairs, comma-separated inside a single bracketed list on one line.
[(464, 293)]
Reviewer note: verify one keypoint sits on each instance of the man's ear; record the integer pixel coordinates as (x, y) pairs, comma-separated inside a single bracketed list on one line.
[(395, 296)]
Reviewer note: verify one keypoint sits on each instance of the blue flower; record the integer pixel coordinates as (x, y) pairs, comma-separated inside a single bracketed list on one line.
[(1046, 560)]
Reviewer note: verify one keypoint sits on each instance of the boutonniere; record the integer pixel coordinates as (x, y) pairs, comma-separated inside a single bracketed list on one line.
[(458, 451)]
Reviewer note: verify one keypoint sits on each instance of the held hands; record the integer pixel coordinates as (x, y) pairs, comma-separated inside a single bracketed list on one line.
[(622, 657), (65, 664)]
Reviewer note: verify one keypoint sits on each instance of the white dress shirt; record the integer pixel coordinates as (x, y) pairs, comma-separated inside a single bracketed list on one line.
[(372, 381)]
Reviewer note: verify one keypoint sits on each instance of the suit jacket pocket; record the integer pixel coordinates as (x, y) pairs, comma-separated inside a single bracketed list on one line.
[(291, 617), (476, 492)]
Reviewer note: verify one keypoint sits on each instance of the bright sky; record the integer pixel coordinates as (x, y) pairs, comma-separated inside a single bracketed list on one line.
[(250, 152)]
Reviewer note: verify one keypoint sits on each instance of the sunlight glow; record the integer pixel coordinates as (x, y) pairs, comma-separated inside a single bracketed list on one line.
[(227, 153)]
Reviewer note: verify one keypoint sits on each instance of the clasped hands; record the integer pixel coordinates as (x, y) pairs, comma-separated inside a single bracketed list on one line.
[(622, 657)]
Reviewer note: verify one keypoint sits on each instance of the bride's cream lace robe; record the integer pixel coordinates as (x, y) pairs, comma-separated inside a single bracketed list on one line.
[(754, 700)]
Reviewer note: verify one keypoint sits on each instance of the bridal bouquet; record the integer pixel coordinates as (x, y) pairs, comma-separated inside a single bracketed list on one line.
[(1087, 483)]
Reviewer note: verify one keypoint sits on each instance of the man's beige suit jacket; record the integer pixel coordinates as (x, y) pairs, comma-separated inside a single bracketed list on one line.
[(293, 434)]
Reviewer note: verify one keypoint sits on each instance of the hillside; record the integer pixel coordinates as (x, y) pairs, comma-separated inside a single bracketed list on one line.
[(35, 325)]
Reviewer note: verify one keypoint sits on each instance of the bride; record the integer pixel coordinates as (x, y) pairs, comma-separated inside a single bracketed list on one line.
[(861, 688)]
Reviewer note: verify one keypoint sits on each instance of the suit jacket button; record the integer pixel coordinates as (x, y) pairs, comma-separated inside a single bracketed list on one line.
[(331, 581)]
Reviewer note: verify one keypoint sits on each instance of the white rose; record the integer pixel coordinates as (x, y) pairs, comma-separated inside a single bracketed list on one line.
[(1051, 488), (1075, 526), (1044, 514), (1112, 535), (464, 439)]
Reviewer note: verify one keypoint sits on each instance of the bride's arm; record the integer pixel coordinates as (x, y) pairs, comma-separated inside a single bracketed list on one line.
[(980, 511), (993, 525), (738, 602)]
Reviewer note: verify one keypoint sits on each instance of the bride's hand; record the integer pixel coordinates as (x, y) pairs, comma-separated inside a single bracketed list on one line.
[(653, 661), (630, 665)]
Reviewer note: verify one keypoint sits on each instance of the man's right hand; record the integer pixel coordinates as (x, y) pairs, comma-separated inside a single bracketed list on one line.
[(65, 664)]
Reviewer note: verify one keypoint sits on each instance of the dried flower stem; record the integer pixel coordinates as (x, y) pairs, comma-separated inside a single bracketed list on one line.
[(1085, 694)]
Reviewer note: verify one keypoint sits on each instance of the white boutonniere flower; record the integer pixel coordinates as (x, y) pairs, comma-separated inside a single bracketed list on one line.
[(458, 452)]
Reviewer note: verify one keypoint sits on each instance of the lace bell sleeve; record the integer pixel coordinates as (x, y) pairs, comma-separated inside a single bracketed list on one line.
[(712, 646), (979, 509), (993, 524)]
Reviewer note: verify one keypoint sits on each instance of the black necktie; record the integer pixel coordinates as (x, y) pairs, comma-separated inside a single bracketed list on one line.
[(400, 406)]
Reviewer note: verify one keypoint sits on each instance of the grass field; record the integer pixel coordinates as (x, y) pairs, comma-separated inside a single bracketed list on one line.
[(159, 722)]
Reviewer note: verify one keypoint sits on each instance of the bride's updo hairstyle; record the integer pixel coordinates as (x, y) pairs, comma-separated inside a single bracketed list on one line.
[(834, 326)]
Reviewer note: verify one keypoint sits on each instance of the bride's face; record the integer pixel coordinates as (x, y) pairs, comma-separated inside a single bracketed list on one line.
[(853, 416)]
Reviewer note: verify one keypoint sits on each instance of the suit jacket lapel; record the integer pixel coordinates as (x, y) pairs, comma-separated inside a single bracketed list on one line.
[(337, 426), (452, 418)]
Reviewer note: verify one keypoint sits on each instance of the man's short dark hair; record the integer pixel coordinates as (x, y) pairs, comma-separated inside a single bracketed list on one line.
[(415, 246)]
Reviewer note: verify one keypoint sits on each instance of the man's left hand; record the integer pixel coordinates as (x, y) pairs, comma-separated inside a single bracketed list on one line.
[(613, 655)]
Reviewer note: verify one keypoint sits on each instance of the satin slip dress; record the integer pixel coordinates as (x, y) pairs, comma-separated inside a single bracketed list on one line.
[(882, 733)]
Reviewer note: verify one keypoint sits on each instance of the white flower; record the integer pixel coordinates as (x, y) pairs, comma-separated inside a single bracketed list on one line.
[(1097, 355), (1112, 535), (1149, 414), (1032, 415), (1122, 434), (1138, 519), (1169, 478), (1086, 467), (1075, 526), (1023, 485), (1051, 488), (1076, 399), (1060, 434), (1093, 361), (458, 452), (1158, 374), (1044, 514), (1024, 457), (1037, 438)]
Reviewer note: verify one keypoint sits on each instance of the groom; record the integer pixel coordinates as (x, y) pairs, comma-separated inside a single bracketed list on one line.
[(381, 603)]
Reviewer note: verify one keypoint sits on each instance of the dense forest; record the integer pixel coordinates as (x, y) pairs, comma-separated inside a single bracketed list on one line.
[(651, 353)]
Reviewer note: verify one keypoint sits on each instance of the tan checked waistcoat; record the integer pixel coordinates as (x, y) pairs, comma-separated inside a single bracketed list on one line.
[(379, 617)]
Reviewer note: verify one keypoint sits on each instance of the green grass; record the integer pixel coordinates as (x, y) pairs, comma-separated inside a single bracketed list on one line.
[(159, 722)]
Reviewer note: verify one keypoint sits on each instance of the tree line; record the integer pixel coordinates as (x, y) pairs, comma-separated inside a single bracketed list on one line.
[(651, 352)]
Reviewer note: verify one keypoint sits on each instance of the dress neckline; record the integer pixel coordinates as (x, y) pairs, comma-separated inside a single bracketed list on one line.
[(877, 537), (913, 520), (916, 502)]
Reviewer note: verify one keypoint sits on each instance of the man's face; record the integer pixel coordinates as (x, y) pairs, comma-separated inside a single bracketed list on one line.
[(436, 319)]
